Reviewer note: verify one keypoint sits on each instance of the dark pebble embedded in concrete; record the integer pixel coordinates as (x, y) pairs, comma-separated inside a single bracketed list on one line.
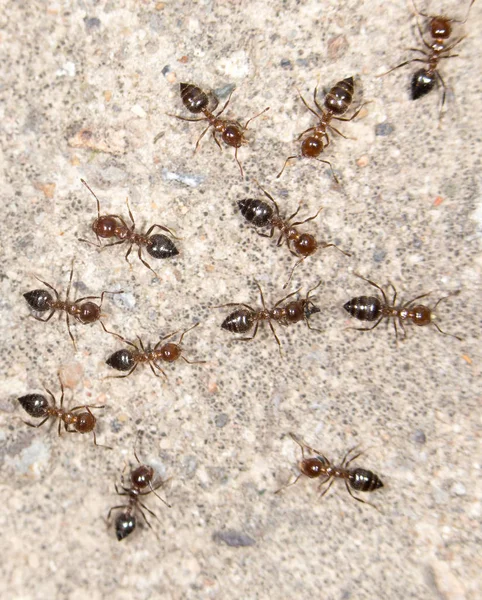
[(379, 255), (419, 437), (286, 64), (166, 70), (91, 24), (221, 420), (383, 129), (235, 539)]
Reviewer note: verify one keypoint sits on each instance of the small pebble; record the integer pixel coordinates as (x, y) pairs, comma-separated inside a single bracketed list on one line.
[(384, 129), (459, 489), (221, 420), (189, 180), (286, 64), (363, 161), (166, 70), (419, 437), (91, 24), (233, 538)]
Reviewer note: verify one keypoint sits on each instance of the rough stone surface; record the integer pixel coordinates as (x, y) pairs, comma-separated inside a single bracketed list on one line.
[(85, 92)]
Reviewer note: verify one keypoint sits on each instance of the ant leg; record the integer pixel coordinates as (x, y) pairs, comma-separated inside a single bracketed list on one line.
[(305, 131), (95, 439), (130, 214), (266, 235), (286, 297), (374, 285), (44, 320), (187, 330), (269, 196), (415, 299), (329, 164), (146, 264), (116, 507), (36, 425), (261, 294), (201, 136), (234, 304), (294, 215), (122, 376), (318, 116), (344, 463), (326, 490), (308, 324), (284, 166), (185, 119), (456, 293), (97, 199), (367, 328), (354, 115), (339, 133), (445, 333), (49, 286), (275, 336), (153, 490), (149, 231), (226, 105), (248, 339), (444, 93), (288, 484), (297, 264), (359, 499), (145, 519), (315, 93), (193, 362), (70, 332), (335, 246), (152, 365), (239, 164), (152, 513), (126, 257), (406, 62), (216, 139), (306, 220), (255, 117)]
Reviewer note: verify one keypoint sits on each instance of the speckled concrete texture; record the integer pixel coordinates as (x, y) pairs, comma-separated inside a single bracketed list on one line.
[(86, 89)]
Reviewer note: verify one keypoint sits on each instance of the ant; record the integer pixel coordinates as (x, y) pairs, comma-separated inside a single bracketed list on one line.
[(141, 478), (360, 480), (38, 406), (424, 80), (301, 245), (128, 360), (232, 132), (114, 226), (337, 102), (83, 312), (243, 319), (371, 308)]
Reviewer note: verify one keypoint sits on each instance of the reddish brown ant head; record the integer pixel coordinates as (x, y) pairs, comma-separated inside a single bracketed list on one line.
[(233, 135), (313, 467), (104, 227), (311, 147), (421, 315), (89, 312), (170, 352), (85, 422), (440, 28), (295, 311), (142, 476), (305, 245)]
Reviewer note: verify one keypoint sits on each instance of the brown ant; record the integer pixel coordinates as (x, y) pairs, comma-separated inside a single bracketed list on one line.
[(371, 308), (141, 484), (128, 360), (83, 312), (424, 80), (337, 102), (38, 406), (114, 226), (301, 245), (244, 319), (232, 132), (358, 479)]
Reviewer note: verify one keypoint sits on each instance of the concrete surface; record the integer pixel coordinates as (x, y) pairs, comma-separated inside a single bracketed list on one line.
[(84, 93)]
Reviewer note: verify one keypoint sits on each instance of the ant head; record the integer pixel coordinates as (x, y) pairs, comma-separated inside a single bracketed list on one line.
[(85, 422), (295, 311), (311, 147), (124, 525), (305, 244), (440, 28), (104, 227), (313, 467), (142, 476), (122, 360), (421, 315), (169, 352), (193, 98), (34, 404), (233, 135), (89, 312), (40, 300)]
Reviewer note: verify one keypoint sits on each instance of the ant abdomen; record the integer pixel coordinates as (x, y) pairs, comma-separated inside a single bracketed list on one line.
[(339, 98), (239, 321), (364, 308), (34, 404), (257, 212), (122, 360), (193, 98), (39, 300), (364, 481), (422, 83), (160, 246), (125, 524)]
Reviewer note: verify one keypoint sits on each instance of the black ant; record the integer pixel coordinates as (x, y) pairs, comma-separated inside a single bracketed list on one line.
[(114, 226), (82, 311), (232, 132), (337, 102), (128, 360), (360, 480), (301, 245), (424, 80), (371, 308), (244, 319), (141, 484), (38, 406)]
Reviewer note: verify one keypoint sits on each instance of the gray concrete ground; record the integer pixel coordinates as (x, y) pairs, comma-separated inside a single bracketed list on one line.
[(85, 91)]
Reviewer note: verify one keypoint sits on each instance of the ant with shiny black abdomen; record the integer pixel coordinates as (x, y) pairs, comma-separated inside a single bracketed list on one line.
[(371, 308), (232, 132), (244, 319), (114, 227), (142, 483), (424, 80), (360, 480), (128, 360), (38, 406), (80, 310), (337, 102), (301, 245)]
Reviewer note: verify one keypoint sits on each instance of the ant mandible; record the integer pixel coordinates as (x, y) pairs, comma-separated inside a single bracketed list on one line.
[(360, 480), (301, 245), (244, 319), (371, 308), (141, 484), (114, 226), (232, 132), (337, 102), (38, 406), (424, 80), (82, 311), (128, 360)]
